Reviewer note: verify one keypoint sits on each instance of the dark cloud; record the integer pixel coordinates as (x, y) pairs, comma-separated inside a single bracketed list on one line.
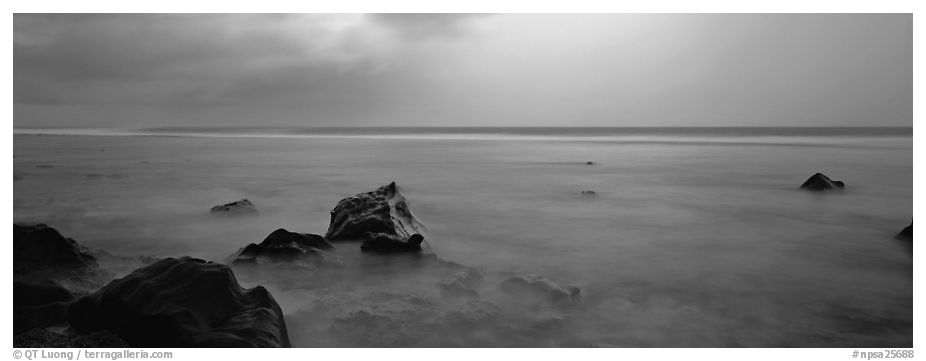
[(462, 69), (422, 25)]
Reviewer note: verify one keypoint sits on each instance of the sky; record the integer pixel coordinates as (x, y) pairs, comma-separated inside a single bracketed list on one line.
[(153, 70)]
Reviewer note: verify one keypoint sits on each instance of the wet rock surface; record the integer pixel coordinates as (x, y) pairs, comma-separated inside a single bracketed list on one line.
[(284, 246), (819, 182), (381, 218), (183, 302), (239, 207), (906, 233)]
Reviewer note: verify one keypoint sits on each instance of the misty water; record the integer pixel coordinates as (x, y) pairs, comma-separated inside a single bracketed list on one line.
[(690, 240)]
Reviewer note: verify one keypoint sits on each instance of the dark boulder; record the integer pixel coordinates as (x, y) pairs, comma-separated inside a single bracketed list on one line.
[(589, 163), (588, 193), (39, 304), (819, 182), (283, 246), (38, 246), (381, 218), (906, 233), (239, 207), (184, 302)]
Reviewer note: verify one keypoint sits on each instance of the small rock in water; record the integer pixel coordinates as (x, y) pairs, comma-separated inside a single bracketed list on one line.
[(589, 163), (17, 177), (588, 193), (239, 207), (906, 233), (282, 246), (819, 182)]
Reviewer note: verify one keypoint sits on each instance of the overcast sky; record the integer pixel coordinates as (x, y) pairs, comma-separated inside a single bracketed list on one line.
[(119, 70)]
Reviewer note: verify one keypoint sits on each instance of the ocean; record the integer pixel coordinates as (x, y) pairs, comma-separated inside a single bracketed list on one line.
[(694, 237)]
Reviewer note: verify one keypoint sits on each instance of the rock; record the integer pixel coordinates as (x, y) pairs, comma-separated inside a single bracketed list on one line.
[(381, 218), (39, 304), (588, 193), (906, 233), (38, 246), (282, 246), (589, 163), (388, 243), (42, 338), (541, 287), (183, 302), (819, 182), (461, 284), (17, 177), (238, 207)]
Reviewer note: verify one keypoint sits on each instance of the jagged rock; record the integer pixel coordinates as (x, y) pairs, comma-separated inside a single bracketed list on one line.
[(381, 218), (38, 246), (588, 193), (39, 304), (184, 302), (239, 207), (282, 246), (819, 182), (906, 233), (387, 243), (461, 284), (541, 287)]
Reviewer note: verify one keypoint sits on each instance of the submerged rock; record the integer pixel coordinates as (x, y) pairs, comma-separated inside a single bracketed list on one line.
[(819, 182), (906, 233), (589, 163), (588, 193), (239, 207), (38, 246), (184, 302), (380, 218), (542, 287), (462, 283), (282, 246)]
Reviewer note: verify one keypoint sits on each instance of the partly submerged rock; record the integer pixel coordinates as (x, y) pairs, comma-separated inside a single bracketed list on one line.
[(283, 246), (381, 218), (541, 287), (589, 163), (588, 193), (388, 243), (462, 283), (38, 246), (819, 182), (239, 207), (184, 302), (906, 233)]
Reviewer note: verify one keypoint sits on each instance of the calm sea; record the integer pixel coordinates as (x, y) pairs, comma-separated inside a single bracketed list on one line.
[(695, 236)]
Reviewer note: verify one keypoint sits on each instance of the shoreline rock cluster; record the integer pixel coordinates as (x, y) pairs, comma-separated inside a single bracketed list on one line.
[(189, 302)]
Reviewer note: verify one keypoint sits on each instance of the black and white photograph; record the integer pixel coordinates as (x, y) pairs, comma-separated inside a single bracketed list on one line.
[(462, 180)]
